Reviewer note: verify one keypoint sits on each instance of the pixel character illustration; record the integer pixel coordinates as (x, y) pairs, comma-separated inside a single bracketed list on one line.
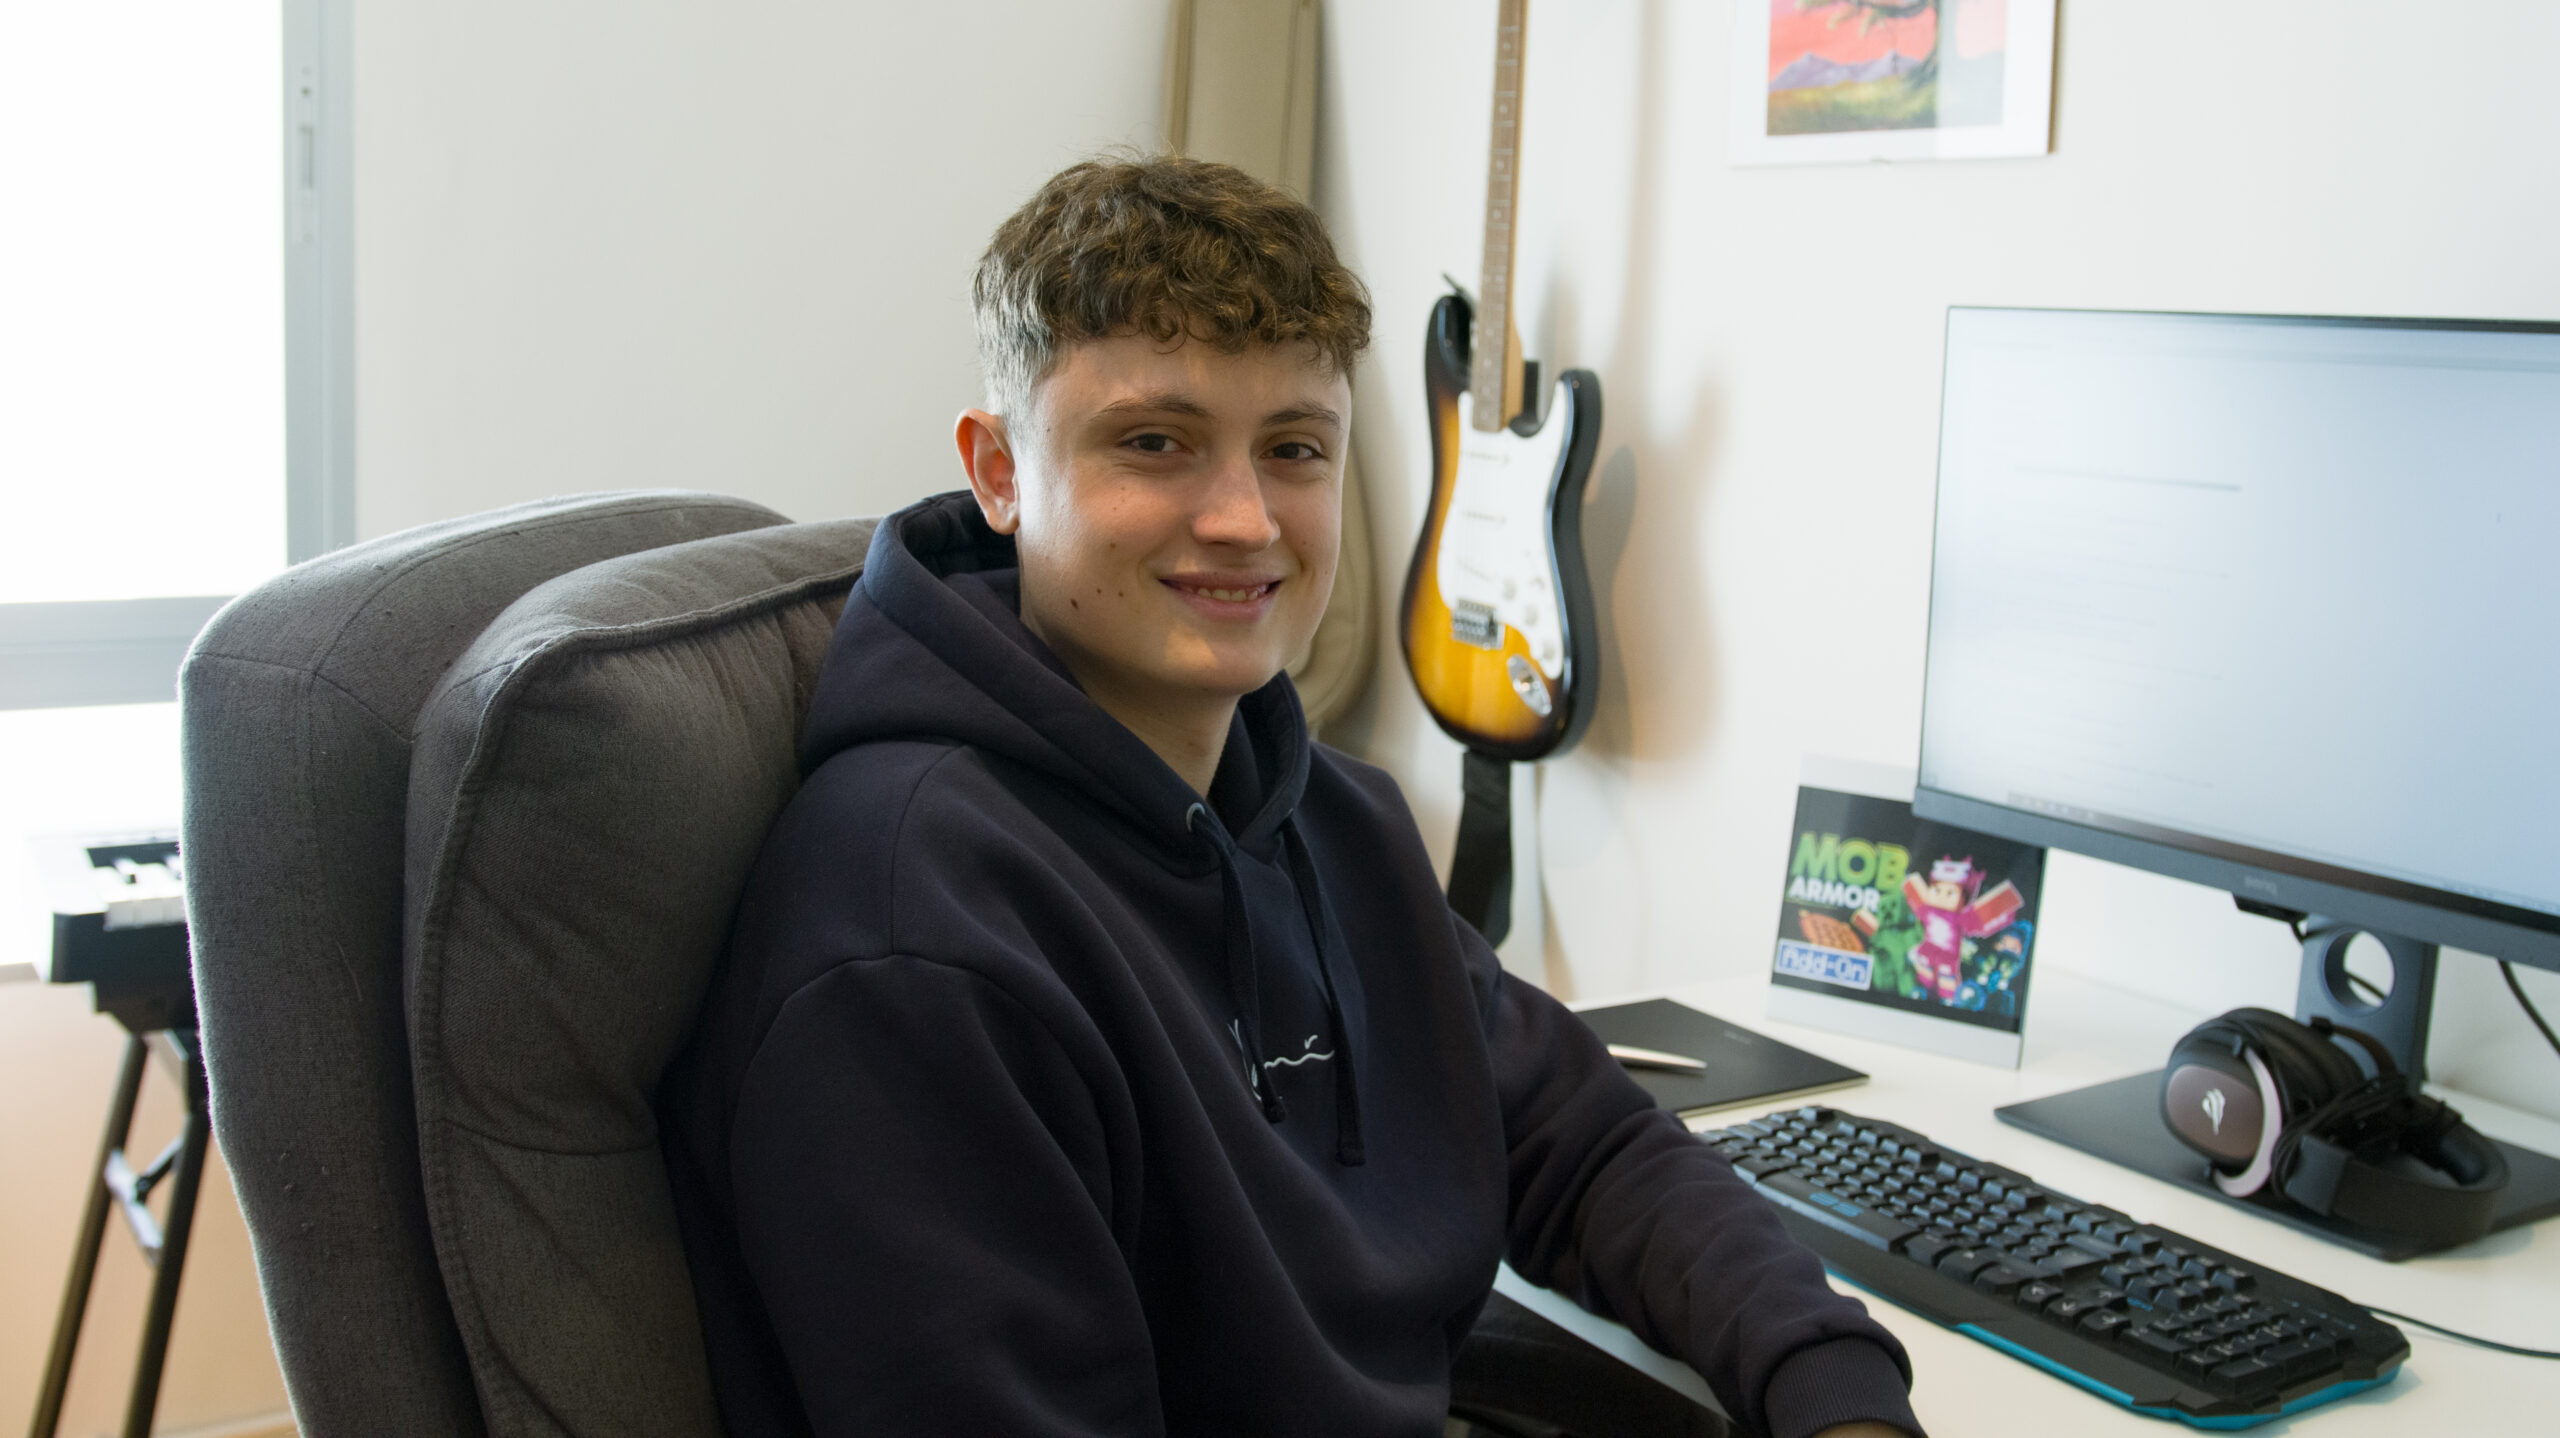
[(1949, 915)]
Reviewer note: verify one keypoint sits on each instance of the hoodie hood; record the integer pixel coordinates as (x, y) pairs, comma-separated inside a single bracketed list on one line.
[(943, 654), (932, 647)]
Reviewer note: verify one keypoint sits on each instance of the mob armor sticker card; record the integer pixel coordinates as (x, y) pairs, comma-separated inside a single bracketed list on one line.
[(1898, 928)]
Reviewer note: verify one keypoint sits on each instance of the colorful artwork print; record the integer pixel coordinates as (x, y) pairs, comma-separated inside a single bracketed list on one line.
[(1908, 913), (1857, 65)]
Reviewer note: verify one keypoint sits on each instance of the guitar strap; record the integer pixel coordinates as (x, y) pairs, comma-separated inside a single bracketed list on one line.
[(1480, 874)]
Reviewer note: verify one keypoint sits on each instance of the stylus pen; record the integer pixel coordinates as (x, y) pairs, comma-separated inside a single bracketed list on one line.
[(1635, 1058)]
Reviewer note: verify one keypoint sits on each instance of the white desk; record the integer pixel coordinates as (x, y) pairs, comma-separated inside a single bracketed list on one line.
[(2506, 1286)]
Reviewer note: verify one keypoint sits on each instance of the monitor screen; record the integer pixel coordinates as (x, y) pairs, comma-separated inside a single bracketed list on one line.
[(2267, 603)]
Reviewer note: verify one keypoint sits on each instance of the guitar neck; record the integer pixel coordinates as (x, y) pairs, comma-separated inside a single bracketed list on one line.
[(1494, 369)]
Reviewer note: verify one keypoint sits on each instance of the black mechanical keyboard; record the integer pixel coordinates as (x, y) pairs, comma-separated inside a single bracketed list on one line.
[(2132, 1312)]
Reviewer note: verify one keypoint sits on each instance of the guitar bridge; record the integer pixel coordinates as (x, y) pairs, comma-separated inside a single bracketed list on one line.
[(1473, 623)]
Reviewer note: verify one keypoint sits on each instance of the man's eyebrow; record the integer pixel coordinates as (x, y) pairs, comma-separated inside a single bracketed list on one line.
[(1170, 401), (1163, 401)]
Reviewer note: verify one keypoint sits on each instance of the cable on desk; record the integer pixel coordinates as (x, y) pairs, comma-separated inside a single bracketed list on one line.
[(2472, 1338), (2515, 987)]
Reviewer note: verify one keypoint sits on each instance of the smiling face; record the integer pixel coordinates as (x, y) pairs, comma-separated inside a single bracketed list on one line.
[(1178, 512)]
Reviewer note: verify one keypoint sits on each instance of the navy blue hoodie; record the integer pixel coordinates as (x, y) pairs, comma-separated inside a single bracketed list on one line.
[(1037, 1096)]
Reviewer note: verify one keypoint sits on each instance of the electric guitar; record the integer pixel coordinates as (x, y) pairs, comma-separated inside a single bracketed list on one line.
[(1497, 605)]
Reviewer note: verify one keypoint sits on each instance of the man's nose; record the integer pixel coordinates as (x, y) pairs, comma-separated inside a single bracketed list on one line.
[(1233, 511)]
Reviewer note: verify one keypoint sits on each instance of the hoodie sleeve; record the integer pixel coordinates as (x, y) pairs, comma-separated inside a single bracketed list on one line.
[(1615, 1204), (925, 1200)]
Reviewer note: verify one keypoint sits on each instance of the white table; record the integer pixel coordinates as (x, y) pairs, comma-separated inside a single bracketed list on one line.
[(2506, 1286)]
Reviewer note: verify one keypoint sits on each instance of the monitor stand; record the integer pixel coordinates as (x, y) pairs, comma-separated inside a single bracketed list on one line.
[(2119, 1121)]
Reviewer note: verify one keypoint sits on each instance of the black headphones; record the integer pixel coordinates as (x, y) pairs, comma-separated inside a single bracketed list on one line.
[(2277, 1104)]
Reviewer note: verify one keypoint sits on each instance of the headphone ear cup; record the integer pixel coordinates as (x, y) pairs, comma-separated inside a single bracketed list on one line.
[(2210, 1097), (2232, 1086)]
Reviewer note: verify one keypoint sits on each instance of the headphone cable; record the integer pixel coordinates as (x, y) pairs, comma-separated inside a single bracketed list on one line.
[(2471, 1338), (2516, 987)]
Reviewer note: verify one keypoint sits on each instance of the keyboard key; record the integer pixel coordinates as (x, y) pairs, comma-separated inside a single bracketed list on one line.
[(2101, 1322), (2156, 1343), (2244, 1372), (1927, 1248), (2070, 1309), (1757, 1167), (2067, 1263), (1964, 1263), (2300, 1358), (2092, 1245), (2234, 1279), (2036, 1294), (2001, 1279)]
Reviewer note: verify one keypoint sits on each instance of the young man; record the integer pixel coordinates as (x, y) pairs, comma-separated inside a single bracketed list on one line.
[(1096, 1054)]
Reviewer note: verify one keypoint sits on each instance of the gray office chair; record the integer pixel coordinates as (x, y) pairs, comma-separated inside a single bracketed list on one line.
[(467, 812), (298, 702)]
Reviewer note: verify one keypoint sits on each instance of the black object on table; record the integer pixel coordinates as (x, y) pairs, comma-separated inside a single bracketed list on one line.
[(2140, 1315), (138, 974), (1740, 1066), (2120, 1121)]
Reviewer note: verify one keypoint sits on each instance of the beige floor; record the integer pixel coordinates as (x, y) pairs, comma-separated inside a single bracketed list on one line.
[(57, 1068)]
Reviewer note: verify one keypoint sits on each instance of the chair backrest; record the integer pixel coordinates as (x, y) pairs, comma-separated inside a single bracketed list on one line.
[(298, 701), (593, 780)]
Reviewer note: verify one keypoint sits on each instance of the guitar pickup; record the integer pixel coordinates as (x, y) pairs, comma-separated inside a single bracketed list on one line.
[(1473, 623)]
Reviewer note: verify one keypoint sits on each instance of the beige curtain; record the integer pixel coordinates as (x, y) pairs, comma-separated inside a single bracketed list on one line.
[(1225, 99)]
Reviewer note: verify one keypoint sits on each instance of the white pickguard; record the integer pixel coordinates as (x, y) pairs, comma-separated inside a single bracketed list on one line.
[(1493, 547)]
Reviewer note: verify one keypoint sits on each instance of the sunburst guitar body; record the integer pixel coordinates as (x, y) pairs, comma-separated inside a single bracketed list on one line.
[(1497, 605)]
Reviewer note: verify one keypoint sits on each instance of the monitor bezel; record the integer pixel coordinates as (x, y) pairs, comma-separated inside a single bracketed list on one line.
[(2348, 895)]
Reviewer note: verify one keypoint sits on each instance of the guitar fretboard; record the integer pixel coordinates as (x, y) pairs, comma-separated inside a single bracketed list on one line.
[(1493, 379)]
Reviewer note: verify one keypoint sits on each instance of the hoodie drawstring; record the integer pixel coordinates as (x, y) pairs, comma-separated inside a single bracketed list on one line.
[(1244, 968), (1244, 981), (1348, 1146)]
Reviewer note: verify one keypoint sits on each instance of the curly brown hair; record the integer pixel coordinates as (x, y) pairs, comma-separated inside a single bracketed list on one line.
[(1165, 247)]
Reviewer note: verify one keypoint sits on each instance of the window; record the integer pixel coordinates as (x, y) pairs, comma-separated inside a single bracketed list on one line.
[(174, 351), (168, 168)]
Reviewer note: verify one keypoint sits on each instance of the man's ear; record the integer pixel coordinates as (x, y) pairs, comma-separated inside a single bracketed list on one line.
[(986, 454)]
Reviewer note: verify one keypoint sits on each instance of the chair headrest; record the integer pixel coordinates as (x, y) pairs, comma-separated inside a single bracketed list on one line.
[(589, 786)]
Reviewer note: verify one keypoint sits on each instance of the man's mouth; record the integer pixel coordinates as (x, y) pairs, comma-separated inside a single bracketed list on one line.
[(1226, 593)]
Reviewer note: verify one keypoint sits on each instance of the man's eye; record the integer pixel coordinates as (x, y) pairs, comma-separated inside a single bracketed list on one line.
[(1153, 443), (1295, 450)]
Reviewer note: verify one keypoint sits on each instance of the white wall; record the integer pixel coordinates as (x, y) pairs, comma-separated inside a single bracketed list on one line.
[(667, 244), (639, 243), (1768, 341)]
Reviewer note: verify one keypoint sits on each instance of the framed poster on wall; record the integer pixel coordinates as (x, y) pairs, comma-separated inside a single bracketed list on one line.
[(1824, 81)]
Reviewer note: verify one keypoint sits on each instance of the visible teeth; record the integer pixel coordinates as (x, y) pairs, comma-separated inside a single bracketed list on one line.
[(1235, 596)]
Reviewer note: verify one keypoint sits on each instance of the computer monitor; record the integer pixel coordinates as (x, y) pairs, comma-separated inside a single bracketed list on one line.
[(2268, 603), (2261, 602)]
